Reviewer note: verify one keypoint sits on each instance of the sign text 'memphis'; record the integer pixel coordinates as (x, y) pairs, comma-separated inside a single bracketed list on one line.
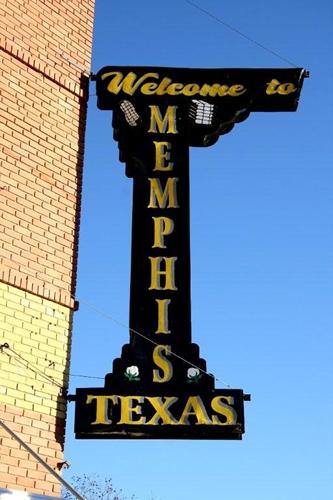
[(148, 85), (162, 196)]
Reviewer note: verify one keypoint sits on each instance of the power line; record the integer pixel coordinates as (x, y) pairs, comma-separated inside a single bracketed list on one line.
[(31, 367), (85, 376), (123, 325), (235, 30)]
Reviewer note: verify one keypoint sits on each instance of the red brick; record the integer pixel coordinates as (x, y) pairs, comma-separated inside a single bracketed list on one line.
[(42, 141)]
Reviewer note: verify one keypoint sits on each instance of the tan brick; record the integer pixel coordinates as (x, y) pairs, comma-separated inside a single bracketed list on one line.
[(4, 468), (4, 415), (37, 474), (37, 441), (42, 485), (20, 454), (7, 399), (41, 424), (8, 460), (13, 410), (28, 465), (26, 482), (17, 471)]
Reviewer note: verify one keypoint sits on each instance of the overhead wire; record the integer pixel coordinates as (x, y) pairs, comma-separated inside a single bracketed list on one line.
[(240, 33), (85, 376), (29, 366), (24, 362), (135, 332)]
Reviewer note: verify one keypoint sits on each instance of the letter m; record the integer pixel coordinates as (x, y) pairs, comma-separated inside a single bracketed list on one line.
[(165, 125), (166, 198)]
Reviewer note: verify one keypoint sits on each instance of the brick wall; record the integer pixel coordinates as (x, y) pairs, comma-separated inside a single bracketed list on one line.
[(33, 373), (42, 121), (46, 30)]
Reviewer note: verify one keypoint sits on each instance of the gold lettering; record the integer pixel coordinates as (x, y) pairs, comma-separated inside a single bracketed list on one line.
[(162, 314), (275, 87), (236, 90), (224, 409), (131, 83), (272, 87), (165, 199), (162, 410), (165, 125), (163, 86), (101, 407), (161, 156), (204, 89), (128, 408), (175, 88), (191, 89), (168, 273), (126, 84), (220, 90), (149, 88), (163, 226), (194, 410), (286, 88), (194, 406), (163, 364)]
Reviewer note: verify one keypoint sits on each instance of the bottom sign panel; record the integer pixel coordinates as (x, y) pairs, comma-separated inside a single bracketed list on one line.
[(105, 414)]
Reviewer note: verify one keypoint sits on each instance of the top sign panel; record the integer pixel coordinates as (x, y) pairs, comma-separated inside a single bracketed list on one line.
[(260, 89)]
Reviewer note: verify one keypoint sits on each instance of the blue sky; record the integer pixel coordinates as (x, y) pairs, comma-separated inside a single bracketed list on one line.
[(261, 250)]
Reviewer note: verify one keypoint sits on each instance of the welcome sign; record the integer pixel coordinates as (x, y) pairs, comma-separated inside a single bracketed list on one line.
[(159, 387), (258, 85)]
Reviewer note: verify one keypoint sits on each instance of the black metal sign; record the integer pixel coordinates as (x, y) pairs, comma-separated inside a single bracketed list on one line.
[(159, 387)]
